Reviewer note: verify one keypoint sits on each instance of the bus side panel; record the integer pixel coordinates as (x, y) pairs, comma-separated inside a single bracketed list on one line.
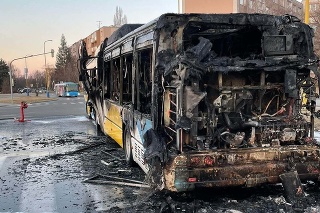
[(59, 90), (142, 125), (113, 122), (73, 94)]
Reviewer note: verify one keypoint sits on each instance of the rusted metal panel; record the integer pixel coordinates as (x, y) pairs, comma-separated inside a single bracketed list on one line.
[(249, 167)]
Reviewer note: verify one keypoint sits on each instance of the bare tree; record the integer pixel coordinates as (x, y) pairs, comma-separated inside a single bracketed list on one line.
[(39, 78), (119, 19)]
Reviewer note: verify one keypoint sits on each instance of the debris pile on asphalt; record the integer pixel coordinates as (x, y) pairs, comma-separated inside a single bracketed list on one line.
[(96, 162)]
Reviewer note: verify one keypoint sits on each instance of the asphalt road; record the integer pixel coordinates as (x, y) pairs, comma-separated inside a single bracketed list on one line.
[(63, 106), (44, 164), (44, 161), (41, 169)]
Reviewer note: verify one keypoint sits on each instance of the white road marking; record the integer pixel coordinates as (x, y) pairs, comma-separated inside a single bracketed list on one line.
[(2, 159)]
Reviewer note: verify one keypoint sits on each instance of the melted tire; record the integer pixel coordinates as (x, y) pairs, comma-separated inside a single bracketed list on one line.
[(89, 111), (128, 148), (95, 118)]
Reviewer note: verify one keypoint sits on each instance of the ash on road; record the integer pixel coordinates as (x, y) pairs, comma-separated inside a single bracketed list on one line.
[(44, 165)]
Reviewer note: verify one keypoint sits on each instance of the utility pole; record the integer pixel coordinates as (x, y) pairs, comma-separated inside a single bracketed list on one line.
[(26, 71), (99, 23), (45, 67)]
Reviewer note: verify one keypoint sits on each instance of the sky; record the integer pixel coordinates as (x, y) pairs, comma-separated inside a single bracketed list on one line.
[(26, 24)]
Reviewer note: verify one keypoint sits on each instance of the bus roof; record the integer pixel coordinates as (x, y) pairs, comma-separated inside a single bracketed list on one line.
[(168, 19)]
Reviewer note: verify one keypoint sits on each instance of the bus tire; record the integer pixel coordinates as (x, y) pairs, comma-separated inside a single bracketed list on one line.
[(96, 121), (88, 111), (128, 147)]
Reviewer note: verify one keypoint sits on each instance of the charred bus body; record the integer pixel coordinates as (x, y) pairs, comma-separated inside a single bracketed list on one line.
[(208, 100)]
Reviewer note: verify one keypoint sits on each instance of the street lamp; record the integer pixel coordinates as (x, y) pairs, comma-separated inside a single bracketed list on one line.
[(45, 66)]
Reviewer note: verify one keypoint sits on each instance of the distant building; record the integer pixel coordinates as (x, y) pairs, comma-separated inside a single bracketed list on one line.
[(314, 11), (93, 40), (274, 7), (314, 5)]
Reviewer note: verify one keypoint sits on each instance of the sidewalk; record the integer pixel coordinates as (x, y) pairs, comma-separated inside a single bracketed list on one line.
[(5, 99)]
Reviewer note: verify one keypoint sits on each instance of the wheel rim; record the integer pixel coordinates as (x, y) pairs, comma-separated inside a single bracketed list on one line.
[(92, 114), (128, 146)]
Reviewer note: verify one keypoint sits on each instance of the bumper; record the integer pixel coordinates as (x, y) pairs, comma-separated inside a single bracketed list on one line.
[(245, 167)]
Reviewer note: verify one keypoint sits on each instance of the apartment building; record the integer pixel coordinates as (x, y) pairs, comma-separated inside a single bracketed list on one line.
[(274, 7), (314, 5), (314, 22), (314, 11), (94, 40)]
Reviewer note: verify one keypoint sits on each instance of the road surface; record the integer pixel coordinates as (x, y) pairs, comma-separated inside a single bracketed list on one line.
[(44, 164)]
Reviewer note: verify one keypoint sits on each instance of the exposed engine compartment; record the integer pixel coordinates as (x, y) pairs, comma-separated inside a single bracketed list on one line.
[(239, 86)]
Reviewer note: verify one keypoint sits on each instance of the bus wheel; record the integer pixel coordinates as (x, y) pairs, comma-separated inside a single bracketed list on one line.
[(128, 147), (89, 111), (96, 121)]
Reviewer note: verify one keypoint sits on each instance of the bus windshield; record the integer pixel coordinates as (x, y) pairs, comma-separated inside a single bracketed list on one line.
[(71, 87)]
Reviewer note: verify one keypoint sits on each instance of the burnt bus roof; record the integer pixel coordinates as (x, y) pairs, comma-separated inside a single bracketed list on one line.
[(232, 18), (170, 22), (256, 19), (122, 31)]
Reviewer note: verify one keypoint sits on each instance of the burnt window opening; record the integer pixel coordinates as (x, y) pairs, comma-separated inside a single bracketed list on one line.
[(100, 72), (115, 80), (227, 40), (107, 77), (143, 76), (127, 79)]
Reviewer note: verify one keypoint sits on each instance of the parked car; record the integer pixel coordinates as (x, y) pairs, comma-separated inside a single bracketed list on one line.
[(25, 90), (42, 90)]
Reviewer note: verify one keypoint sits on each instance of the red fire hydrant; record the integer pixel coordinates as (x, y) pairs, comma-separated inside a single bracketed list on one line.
[(23, 105)]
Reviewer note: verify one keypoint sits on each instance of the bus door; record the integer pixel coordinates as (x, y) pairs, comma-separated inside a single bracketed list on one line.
[(142, 102)]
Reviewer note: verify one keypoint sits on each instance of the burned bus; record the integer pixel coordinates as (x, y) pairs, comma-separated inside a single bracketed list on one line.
[(208, 100)]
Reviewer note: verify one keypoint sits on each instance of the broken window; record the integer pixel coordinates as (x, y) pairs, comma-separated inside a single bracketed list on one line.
[(144, 81), (107, 77), (227, 40), (127, 78), (115, 80)]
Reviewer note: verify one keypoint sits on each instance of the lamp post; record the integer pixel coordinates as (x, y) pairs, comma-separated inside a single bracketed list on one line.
[(29, 56), (45, 66)]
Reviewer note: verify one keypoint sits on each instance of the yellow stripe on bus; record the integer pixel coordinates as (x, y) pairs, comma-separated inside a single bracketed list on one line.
[(113, 124)]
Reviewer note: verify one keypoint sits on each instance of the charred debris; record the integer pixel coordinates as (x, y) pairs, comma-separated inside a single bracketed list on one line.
[(241, 80)]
